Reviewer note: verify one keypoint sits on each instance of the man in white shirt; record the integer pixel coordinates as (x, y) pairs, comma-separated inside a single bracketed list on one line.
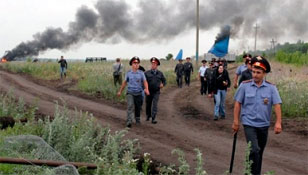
[(201, 77)]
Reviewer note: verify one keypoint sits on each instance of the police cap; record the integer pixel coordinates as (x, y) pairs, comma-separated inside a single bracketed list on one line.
[(133, 59), (261, 62), (203, 61), (155, 60)]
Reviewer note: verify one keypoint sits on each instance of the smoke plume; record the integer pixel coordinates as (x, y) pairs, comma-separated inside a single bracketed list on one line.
[(159, 20)]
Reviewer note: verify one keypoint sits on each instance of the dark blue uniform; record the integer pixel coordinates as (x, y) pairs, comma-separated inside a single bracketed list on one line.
[(154, 79)]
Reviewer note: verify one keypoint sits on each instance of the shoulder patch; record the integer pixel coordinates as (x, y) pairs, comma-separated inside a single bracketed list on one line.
[(247, 81), (269, 82)]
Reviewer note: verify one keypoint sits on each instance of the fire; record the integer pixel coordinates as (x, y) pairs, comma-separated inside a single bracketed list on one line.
[(3, 60)]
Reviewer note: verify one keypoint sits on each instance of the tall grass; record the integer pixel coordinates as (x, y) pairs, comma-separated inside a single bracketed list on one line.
[(297, 58), (292, 83)]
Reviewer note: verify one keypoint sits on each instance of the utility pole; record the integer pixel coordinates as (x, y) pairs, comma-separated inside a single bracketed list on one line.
[(197, 33), (256, 31), (273, 41)]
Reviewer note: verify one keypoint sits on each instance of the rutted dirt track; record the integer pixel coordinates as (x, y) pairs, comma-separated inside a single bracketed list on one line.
[(184, 121)]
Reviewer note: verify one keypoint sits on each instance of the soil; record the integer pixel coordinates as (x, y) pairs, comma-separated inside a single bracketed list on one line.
[(185, 121)]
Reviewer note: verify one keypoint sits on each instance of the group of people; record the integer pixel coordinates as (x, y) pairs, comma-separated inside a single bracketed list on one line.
[(254, 97), (139, 83), (215, 81)]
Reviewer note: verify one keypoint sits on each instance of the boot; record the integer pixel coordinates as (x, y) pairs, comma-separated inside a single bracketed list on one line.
[(153, 120)]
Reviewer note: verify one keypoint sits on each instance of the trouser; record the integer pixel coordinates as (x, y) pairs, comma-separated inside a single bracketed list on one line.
[(62, 71), (151, 104), (203, 88), (117, 79), (179, 80), (133, 107), (258, 139), (187, 78), (220, 99)]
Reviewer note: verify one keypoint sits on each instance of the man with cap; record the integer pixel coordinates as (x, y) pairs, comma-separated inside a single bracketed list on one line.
[(201, 77), (253, 105), (241, 69), (188, 69), (156, 80), (135, 81), (179, 70), (246, 74)]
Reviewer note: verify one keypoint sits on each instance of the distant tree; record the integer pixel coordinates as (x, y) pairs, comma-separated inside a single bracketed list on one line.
[(169, 56)]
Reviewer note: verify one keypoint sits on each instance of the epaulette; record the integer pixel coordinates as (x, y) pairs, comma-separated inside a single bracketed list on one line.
[(269, 82), (247, 81)]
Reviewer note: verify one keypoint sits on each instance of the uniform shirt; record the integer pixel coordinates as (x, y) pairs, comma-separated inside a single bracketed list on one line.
[(257, 102), (246, 75), (154, 79), (188, 67), (241, 69), (115, 67), (179, 69), (202, 70), (135, 82)]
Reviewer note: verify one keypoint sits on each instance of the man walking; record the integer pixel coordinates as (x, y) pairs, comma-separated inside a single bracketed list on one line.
[(188, 69), (117, 72), (179, 70), (135, 81), (241, 69), (253, 105), (63, 67), (202, 78), (156, 80)]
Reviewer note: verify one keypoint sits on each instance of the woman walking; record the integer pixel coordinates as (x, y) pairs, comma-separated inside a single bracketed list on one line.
[(221, 84)]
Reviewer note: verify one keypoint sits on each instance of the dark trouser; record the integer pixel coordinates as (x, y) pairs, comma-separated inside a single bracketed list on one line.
[(258, 138), (187, 78), (179, 80), (133, 102), (203, 89), (151, 104), (117, 79)]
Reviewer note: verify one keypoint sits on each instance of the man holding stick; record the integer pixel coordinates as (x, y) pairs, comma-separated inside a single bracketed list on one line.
[(253, 102)]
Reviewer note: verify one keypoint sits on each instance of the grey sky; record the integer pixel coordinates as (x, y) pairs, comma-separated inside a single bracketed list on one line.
[(160, 28)]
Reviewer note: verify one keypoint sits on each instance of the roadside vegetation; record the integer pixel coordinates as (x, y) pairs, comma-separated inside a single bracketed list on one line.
[(74, 137)]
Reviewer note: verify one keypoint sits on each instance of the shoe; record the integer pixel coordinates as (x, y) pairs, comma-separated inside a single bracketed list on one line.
[(148, 118), (223, 117), (154, 121), (129, 125), (215, 118), (138, 122)]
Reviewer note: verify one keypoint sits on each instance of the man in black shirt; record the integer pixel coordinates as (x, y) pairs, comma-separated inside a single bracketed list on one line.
[(156, 80), (179, 70), (63, 66), (188, 69), (247, 74)]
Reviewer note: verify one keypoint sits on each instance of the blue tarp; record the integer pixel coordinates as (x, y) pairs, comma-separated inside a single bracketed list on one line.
[(180, 55), (220, 48)]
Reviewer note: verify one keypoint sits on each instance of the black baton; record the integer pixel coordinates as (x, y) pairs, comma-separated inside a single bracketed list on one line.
[(233, 152)]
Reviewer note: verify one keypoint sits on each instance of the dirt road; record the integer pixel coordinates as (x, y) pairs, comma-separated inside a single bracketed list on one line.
[(184, 121)]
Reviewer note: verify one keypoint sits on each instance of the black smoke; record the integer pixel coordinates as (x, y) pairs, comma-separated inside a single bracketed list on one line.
[(160, 20)]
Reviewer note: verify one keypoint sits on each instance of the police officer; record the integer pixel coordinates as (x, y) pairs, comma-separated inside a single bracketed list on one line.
[(253, 105), (156, 80), (136, 84), (179, 70), (246, 74), (188, 69), (241, 69)]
